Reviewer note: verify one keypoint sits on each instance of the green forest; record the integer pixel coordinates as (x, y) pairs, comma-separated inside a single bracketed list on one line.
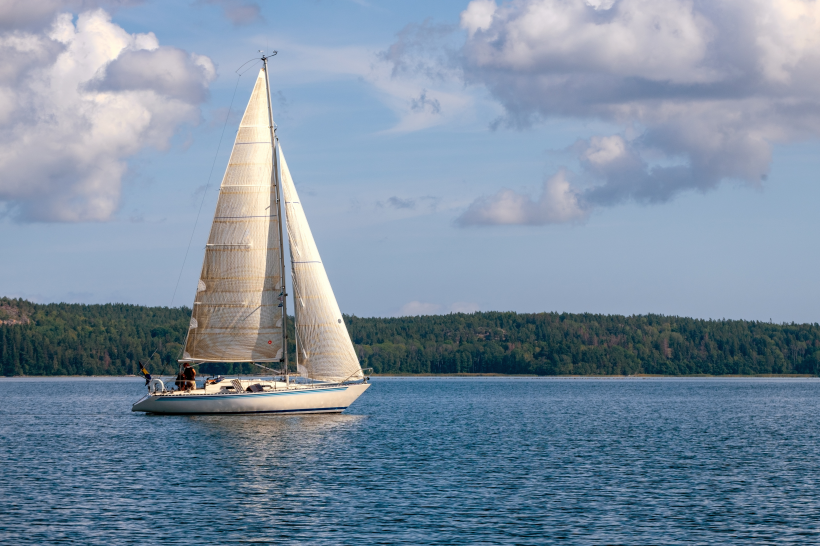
[(110, 339)]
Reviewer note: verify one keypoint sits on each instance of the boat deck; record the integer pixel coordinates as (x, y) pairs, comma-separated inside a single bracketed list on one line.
[(247, 386)]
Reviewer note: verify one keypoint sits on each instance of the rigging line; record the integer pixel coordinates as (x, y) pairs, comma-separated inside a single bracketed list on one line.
[(243, 71), (261, 366)]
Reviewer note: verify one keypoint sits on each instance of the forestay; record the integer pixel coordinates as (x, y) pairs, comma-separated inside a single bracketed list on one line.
[(325, 349), (236, 315)]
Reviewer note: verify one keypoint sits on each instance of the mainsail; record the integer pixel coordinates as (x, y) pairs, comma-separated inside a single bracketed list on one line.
[(237, 316), (325, 349)]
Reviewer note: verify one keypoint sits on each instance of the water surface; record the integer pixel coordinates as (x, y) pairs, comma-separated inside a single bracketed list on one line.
[(419, 461)]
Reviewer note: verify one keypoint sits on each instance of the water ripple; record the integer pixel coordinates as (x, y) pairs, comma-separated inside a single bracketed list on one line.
[(419, 461)]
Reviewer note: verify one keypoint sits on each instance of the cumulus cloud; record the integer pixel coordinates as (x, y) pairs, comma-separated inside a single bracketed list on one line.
[(704, 89), (557, 204), (478, 15), (657, 40), (76, 100), (701, 90), (168, 71)]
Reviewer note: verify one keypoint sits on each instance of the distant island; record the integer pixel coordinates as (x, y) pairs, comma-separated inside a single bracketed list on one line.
[(74, 339)]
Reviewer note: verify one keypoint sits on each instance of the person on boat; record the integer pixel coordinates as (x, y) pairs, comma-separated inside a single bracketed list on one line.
[(189, 374)]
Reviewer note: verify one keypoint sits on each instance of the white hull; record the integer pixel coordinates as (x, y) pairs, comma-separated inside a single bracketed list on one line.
[(298, 399)]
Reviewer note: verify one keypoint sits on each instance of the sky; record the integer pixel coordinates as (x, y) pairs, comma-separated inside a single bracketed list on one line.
[(601, 156)]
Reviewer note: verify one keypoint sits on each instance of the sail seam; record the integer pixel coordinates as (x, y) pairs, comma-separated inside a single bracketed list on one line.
[(234, 304), (263, 216)]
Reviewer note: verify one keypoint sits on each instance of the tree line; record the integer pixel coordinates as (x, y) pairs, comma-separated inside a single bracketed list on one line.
[(110, 339)]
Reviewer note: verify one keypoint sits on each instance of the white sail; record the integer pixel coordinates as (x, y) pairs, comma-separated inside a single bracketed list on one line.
[(325, 349), (236, 315)]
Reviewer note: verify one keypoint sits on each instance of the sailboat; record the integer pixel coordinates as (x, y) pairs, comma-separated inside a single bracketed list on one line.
[(240, 308)]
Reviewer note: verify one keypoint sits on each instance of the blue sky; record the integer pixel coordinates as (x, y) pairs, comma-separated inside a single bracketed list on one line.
[(439, 170)]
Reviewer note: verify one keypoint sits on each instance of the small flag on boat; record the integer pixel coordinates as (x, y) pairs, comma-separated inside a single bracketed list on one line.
[(145, 373)]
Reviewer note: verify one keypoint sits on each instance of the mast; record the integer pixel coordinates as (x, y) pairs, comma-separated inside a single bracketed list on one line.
[(295, 314), (275, 180)]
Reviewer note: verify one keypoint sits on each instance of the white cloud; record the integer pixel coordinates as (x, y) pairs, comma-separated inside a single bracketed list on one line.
[(464, 307), (601, 4), (417, 80), (168, 71), (705, 89), (788, 35), (416, 76), (420, 308), (605, 150), (662, 40), (76, 100), (557, 204), (413, 76), (416, 308), (478, 15)]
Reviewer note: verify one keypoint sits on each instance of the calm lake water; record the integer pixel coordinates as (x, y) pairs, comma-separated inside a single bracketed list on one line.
[(419, 461)]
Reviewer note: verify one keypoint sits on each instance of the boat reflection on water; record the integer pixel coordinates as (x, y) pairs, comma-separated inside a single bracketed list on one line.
[(271, 457), (268, 437), (271, 426)]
